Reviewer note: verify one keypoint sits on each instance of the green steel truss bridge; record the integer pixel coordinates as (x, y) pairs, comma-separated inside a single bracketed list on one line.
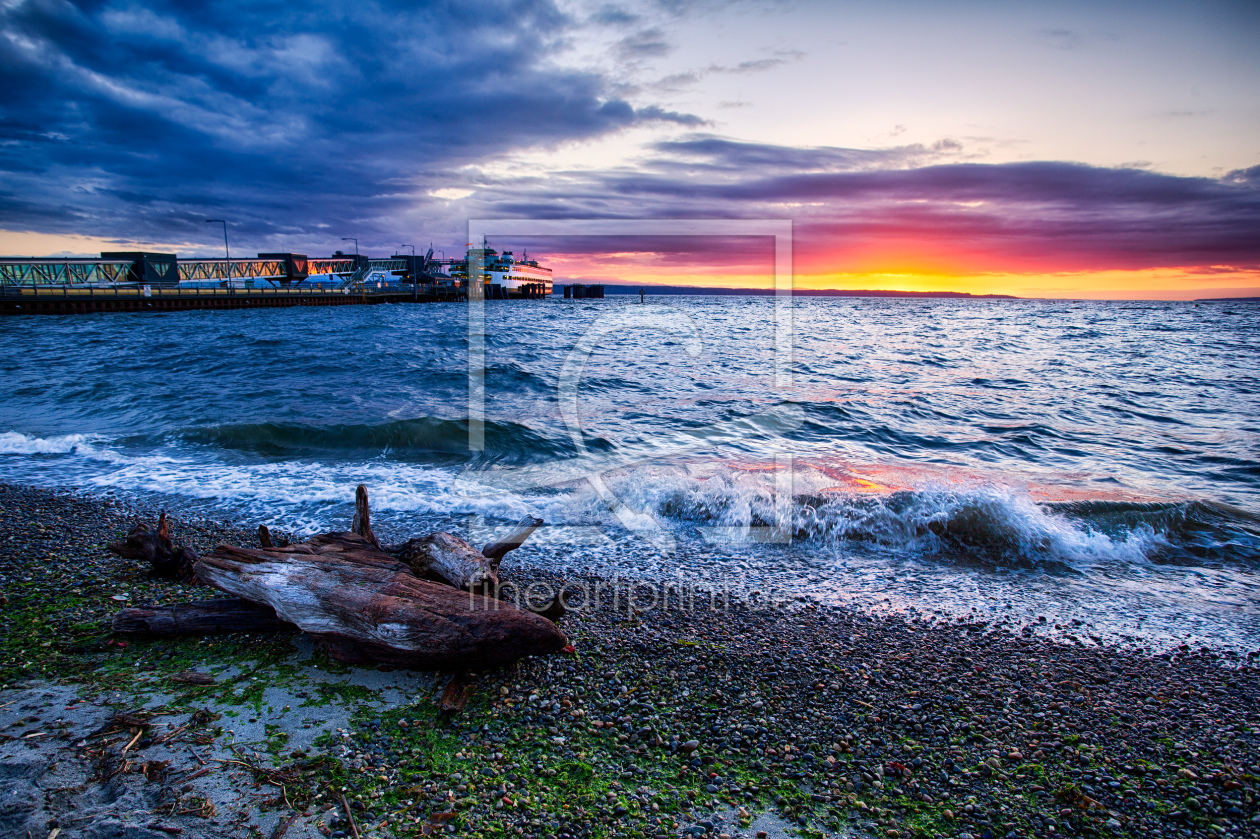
[(113, 269), (71, 272)]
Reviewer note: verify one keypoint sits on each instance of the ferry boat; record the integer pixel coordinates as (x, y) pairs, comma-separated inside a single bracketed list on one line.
[(504, 276)]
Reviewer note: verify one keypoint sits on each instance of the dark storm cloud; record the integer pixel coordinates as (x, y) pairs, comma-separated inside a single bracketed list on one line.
[(679, 81), (1014, 216), (304, 123), (140, 121), (718, 154), (755, 66), (648, 43), (610, 15), (694, 251), (1245, 176)]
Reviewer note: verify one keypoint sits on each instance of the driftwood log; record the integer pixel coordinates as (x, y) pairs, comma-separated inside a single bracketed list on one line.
[(204, 617), (366, 606), (422, 604), (167, 559)]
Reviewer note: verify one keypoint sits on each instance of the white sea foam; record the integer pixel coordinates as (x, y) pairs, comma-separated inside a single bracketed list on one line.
[(990, 522), (969, 520), (932, 542), (277, 490), (306, 495), (15, 442)]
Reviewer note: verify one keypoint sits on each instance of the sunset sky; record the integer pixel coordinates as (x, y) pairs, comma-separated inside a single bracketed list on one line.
[(1058, 149)]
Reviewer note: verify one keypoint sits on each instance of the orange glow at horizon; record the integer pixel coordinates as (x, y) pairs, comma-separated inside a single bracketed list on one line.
[(1167, 283)]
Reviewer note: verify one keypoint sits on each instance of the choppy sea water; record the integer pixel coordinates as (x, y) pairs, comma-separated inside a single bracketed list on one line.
[(1093, 464)]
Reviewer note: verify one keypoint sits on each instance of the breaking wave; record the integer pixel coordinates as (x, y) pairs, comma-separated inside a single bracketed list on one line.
[(15, 442), (986, 524)]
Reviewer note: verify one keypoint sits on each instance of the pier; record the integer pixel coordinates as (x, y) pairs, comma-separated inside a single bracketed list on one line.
[(64, 299), (148, 282)]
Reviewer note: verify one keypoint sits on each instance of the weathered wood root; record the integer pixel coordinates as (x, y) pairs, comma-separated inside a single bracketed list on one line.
[(556, 609), (268, 541), (366, 605), (495, 551), (203, 617), (457, 693), (167, 559), (362, 523), (443, 557)]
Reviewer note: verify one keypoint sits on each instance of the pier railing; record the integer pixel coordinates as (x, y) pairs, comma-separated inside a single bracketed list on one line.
[(45, 299), (116, 291)]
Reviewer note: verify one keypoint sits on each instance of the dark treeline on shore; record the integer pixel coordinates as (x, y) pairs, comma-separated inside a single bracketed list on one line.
[(826, 292)]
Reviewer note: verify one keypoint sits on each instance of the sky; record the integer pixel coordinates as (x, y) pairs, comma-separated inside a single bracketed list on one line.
[(1051, 149)]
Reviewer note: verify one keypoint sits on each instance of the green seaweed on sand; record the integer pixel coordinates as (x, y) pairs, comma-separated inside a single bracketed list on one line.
[(328, 692)]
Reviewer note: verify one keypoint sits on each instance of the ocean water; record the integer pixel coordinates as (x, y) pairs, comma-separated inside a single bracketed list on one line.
[(1089, 469)]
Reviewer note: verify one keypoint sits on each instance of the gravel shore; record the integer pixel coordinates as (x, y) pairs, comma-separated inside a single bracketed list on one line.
[(689, 717)]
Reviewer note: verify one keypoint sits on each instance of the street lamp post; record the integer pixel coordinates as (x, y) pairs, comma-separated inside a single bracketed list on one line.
[(356, 256), (415, 281), (227, 254)]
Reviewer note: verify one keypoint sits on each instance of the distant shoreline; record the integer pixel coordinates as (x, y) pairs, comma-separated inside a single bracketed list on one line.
[(703, 290)]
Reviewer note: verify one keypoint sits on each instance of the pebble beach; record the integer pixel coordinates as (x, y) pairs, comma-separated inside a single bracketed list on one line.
[(691, 717)]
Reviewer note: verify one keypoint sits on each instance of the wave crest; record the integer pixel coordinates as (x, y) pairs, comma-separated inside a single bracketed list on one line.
[(15, 442), (987, 524)]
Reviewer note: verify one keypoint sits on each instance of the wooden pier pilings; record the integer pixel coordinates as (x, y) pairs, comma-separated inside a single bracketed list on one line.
[(25, 300), (578, 291)]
